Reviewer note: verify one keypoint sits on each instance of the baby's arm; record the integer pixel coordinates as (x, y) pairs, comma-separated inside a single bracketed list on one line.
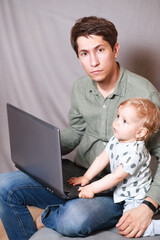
[(105, 183), (97, 166)]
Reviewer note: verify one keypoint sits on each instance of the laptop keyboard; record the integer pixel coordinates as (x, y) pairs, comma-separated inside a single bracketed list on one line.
[(68, 187)]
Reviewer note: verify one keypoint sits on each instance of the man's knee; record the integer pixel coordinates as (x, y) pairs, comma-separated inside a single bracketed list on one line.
[(4, 187), (80, 217), (74, 221), (8, 187)]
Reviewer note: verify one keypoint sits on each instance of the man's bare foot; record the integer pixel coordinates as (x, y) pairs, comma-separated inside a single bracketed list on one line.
[(39, 223)]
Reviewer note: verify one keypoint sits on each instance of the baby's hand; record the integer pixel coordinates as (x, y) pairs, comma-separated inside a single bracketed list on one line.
[(78, 180), (86, 192)]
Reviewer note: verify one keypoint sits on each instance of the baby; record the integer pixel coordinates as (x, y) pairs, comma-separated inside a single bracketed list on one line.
[(137, 120)]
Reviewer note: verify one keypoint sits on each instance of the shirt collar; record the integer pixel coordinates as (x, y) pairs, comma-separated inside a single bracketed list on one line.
[(120, 88)]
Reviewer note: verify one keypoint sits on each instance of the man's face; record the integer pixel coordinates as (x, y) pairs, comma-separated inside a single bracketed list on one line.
[(97, 57)]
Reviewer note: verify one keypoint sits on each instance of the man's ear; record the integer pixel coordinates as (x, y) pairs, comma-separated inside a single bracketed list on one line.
[(116, 49), (141, 133)]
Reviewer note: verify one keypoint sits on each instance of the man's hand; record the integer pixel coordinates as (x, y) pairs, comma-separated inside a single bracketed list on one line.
[(86, 192), (135, 221), (78, 180), (39, 223)]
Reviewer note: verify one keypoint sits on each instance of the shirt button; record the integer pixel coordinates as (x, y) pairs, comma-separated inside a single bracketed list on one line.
[(104, 106)]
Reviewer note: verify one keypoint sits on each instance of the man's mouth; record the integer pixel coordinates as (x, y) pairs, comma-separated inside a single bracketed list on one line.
[(96, 72)]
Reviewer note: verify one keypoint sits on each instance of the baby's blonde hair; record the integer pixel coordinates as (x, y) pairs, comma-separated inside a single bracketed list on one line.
[(148, 112)]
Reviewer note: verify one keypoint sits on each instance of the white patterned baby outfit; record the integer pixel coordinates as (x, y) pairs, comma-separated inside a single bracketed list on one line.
[(135, 160)]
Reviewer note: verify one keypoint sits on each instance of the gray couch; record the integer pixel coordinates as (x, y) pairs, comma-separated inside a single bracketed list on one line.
[(112, 234)]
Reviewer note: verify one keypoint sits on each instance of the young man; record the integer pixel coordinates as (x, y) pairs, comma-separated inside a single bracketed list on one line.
[(95, 99)]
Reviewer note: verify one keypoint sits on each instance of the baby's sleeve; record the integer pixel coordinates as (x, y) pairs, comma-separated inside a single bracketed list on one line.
[(130, 162)]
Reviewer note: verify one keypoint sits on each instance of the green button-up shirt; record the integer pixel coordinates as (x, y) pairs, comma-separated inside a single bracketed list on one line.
[(91, 117)]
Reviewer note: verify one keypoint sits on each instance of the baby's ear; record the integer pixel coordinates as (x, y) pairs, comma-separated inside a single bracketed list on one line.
[(141, 133)]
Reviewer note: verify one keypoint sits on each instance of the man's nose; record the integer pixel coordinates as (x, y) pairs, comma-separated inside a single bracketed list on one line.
[(94, 61)]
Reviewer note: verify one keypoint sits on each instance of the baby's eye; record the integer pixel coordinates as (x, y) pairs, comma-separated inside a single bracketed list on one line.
[(117, 115), (124, 121)]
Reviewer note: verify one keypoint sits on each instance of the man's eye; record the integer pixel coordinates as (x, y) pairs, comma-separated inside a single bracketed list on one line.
[(84, 54), (100, 50)]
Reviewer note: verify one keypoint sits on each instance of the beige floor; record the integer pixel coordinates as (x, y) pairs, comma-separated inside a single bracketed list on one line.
[(35, 213)]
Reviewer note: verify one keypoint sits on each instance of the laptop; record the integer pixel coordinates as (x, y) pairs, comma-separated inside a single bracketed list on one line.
[(36, 150)]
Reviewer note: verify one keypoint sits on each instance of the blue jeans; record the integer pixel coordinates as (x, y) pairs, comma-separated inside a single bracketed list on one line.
[(77, 217)]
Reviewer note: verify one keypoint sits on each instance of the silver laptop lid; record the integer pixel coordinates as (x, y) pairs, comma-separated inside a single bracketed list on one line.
[(35, 148)]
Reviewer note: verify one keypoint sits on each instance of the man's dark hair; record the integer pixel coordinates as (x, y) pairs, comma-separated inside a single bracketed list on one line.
[(93, 26)]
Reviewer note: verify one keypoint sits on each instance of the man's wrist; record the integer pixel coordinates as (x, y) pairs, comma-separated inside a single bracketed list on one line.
[(151, 206)]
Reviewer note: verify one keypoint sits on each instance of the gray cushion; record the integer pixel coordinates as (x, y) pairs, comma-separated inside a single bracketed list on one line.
[(112, 234)]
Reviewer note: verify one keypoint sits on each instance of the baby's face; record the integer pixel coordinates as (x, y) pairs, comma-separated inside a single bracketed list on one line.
[(127, 124)]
